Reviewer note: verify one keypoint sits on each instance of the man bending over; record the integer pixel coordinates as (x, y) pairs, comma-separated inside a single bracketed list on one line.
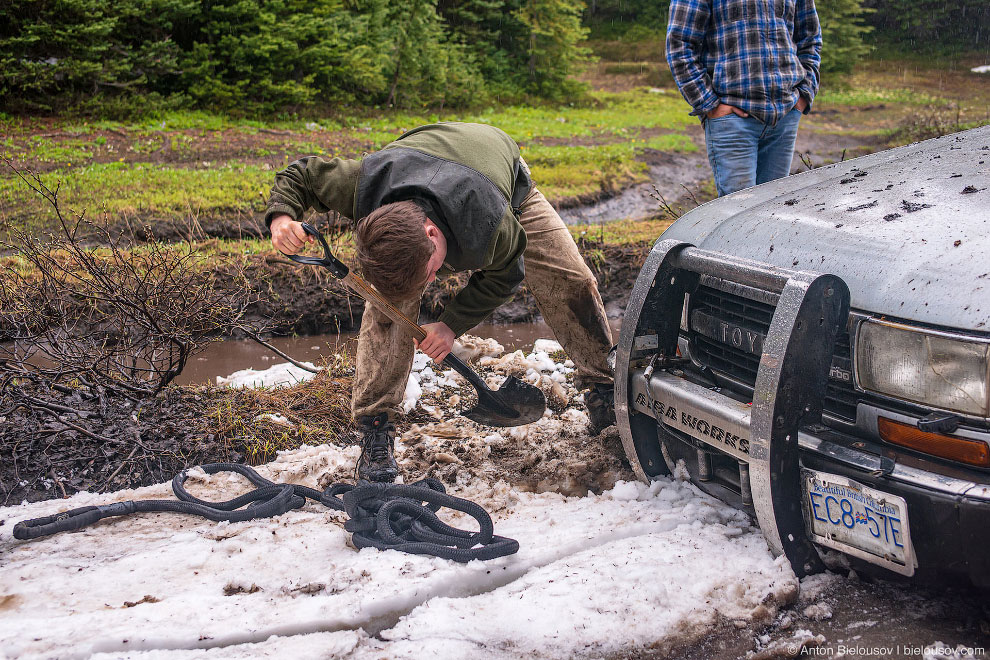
[(445, 198)]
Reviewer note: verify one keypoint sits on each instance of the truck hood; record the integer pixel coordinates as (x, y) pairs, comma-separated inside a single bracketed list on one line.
[(907, 229)]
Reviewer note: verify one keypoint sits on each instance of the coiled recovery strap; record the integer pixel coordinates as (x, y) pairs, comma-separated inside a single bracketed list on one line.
[(384, 516)]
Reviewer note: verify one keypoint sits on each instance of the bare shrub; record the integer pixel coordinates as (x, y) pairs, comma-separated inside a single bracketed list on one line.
[(95, 325), (933, 121), (122, 315)]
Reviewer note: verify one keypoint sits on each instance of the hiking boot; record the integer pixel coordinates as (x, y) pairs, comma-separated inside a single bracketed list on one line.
[(600, 402), (377, 462)]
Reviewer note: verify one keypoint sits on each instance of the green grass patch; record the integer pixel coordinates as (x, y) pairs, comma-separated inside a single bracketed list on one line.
[(613, 114), (173, 121), (126, 189), (621, 232), (873, 95), (47, 150), (574, 171), (615, 124)]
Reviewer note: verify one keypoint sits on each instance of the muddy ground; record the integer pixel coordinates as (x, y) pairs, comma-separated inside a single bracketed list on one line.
[(58, 443), (835, 612), (292, 300)]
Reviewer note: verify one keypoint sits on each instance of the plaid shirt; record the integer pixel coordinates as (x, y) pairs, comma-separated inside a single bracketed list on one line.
[(757, 55)]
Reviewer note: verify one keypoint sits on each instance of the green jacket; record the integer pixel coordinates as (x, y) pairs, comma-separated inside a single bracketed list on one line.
[(466, 177)]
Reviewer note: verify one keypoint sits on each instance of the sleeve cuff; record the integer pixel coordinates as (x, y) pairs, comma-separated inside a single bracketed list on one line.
[(805, 93), (278, 209), (709, 104)]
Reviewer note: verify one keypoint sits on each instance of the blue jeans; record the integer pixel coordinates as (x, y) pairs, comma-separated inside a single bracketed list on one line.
[(743, 151)]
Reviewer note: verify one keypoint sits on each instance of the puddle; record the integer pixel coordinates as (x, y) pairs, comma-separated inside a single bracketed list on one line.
[(225, 357)]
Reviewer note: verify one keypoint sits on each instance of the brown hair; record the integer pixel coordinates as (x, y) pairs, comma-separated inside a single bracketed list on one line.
[(393, 249)]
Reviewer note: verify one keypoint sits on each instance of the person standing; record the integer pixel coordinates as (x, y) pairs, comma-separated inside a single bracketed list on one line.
[(749, 69)]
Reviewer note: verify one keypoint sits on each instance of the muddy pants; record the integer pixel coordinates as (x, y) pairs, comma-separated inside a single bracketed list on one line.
[(565, 291)]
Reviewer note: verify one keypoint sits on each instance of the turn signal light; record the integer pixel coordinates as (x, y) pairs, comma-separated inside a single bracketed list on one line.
[(971, 452)]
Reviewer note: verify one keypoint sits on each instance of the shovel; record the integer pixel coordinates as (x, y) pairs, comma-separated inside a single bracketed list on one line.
[(514, 403)]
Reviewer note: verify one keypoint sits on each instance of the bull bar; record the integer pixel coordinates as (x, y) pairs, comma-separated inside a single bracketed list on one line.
[(789, 389)]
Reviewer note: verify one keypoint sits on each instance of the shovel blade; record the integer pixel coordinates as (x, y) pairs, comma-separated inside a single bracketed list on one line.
[(513, 404)]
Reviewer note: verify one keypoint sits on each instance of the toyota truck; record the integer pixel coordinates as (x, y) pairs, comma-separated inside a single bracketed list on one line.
[(816, 351)]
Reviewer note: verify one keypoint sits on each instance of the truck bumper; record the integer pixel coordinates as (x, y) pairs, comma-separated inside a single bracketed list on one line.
[(949, 517)]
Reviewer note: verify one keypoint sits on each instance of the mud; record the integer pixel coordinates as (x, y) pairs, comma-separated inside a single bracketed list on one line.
[(304, 301), (123, 445), (853, 616), (682, 180), (108, 442), (55, 443)]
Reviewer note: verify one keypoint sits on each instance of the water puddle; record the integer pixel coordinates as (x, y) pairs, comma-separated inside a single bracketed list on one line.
[(223, 358)]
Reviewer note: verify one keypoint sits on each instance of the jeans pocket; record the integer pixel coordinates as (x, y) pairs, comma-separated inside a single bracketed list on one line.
[(723, 120)]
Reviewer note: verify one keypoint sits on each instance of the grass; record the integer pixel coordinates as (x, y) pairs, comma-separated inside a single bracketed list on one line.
[(123, 189), (570, 172), (869, 95), (179, 166), (317, 410), (215, 165), (621, 232)]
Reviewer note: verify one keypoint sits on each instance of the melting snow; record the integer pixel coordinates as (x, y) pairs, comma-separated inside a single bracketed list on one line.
[(278, 375), (637, 569), (633, 568)]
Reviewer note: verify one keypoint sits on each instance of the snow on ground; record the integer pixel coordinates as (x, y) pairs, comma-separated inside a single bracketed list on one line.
[(633, 569), (275, 376)]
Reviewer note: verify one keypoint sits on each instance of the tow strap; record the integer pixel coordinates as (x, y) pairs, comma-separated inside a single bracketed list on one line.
[(384, 516)]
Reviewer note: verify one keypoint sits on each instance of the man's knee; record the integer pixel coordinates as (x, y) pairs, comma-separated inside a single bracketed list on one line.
[(585, 304)]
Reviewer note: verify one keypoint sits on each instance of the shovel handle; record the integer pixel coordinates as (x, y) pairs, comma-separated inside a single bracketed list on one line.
[(335, 265), (371, 294), (469, 374)]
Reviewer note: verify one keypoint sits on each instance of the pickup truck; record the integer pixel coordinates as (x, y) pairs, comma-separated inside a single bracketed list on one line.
[(816, 351)]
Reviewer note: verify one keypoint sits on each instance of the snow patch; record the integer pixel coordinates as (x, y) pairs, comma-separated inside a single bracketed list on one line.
[(547, 346), (639, 566), (279, 375), (469, 348)]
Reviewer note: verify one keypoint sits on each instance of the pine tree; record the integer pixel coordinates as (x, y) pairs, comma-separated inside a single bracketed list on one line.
[(843, 30), (553, 49)]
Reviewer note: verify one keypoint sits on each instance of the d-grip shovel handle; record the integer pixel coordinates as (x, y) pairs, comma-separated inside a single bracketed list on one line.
[(337, 267), (340, 270)]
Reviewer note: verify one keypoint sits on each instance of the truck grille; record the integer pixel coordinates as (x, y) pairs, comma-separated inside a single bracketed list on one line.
[(712, 309)]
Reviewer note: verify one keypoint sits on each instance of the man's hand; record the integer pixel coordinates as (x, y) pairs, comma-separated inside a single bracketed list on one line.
[(288, 236), (801, 104), (438, 341), (722, 110)]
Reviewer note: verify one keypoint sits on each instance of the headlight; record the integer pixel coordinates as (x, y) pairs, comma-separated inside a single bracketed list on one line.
[(932, 368)]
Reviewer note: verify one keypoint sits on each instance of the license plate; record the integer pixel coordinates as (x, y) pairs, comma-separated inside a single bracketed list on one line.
[(847, 516)]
